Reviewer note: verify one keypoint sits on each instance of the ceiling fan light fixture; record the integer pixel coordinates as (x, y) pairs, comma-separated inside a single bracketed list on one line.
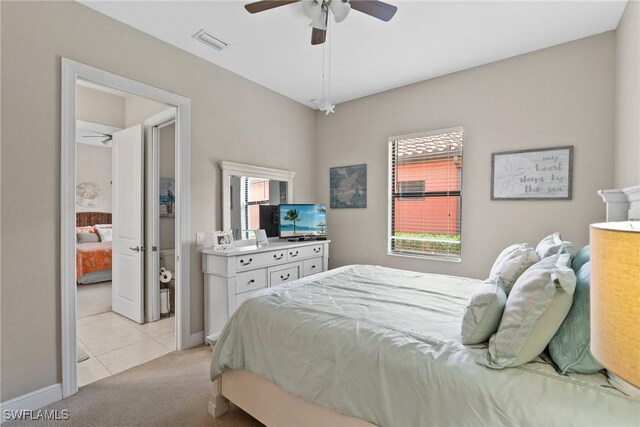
[(340, 9), (312, 8), (320, 22)]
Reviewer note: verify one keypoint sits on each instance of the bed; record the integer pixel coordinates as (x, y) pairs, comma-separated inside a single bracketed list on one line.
[(368, 345), (93, 259)]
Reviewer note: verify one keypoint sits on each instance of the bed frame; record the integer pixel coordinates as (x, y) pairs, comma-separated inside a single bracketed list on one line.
[(84, 219), (273, 406)]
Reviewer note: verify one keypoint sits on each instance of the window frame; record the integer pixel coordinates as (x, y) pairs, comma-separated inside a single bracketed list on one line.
[(390, 198)]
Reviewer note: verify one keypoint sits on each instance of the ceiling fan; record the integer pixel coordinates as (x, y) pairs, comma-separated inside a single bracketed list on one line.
[(318, 11), (106, 138)]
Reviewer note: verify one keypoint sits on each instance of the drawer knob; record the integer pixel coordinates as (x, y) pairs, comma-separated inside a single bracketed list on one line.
[(243, 262), (277, 258), (317, 250), (285, 277), (293, 254), (251, 281), (313, 266)]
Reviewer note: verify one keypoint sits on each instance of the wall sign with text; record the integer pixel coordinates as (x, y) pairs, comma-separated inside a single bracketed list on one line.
[(540, 174)]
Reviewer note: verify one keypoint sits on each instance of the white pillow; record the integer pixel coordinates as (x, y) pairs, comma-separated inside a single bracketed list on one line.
[(483, 312), (103, 226), (552, 245), (537, 306), (511, 263), (105, 234)]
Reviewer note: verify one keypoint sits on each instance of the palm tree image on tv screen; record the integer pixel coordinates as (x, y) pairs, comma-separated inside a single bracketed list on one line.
[(303, 220)]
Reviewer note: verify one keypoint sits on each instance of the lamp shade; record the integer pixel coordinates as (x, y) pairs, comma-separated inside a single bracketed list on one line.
[(615, 298)]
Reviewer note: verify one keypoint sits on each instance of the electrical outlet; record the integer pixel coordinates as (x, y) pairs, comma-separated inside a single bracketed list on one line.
[(200, 239)]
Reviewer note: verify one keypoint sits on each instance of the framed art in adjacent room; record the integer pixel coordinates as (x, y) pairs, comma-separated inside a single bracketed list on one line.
[(537, 174), (348, 186)]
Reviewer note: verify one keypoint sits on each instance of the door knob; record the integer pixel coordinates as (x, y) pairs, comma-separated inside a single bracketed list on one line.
[(137, 248)]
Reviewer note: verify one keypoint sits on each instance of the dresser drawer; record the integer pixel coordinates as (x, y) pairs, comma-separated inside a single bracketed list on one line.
[(245, 262), (240, 298), (305, 252), (311, 266), (251, 280), (284, 275)]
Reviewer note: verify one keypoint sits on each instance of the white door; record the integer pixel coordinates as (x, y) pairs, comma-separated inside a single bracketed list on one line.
[(128, 238)]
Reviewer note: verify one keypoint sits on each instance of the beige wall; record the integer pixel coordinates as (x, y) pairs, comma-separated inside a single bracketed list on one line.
[(138, 109), (563, 95), (100, 107), (93, 163), (232, 119), (627, 152)]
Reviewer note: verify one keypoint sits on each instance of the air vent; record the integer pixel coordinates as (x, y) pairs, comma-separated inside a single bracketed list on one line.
[(209, 40)]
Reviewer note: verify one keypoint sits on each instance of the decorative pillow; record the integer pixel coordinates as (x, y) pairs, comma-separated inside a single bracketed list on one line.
[(581, 257), (552, 245), (569, 348), (484, 311), (512, 262), (535, 309), (105, 234), (87, 229), (87, 237)]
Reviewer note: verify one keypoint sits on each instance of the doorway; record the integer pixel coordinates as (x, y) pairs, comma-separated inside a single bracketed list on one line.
[(112, 331), (130, 255)]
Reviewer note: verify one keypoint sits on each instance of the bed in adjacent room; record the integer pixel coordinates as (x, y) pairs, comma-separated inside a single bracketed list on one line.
[(93, 247)]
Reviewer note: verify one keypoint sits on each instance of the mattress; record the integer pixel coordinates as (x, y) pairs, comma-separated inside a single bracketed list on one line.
[(93, 258), (384, 345)]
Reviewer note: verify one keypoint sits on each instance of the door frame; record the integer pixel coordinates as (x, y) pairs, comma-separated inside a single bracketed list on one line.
[(71, 71), (152, 128)]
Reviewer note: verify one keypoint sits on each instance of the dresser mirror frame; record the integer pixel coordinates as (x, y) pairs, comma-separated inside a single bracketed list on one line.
[(230, 169)]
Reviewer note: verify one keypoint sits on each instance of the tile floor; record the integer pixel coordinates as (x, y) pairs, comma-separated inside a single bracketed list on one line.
[(115, 344)]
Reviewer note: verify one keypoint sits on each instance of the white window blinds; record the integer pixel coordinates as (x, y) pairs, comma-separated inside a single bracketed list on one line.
[(426, 194)]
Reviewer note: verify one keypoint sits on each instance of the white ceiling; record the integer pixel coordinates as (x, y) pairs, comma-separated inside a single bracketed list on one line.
[(425, 39)]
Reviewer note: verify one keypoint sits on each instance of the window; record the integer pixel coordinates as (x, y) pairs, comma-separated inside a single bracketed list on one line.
[(255, 192), (426, 194)]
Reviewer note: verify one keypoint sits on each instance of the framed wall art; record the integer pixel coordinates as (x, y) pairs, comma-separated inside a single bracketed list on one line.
[(348, 186), (538, 174)]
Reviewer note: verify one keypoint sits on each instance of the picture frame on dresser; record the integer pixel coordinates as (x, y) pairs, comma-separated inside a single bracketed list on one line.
[(223, 240)]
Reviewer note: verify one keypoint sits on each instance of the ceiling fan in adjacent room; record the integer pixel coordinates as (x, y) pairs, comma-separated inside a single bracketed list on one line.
[(318, 11)]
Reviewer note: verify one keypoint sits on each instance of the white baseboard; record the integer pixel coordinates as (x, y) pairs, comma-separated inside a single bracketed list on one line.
[(196, 339), (34, 400)]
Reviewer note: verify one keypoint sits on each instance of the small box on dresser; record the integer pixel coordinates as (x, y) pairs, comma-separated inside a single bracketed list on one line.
[(232, 276)]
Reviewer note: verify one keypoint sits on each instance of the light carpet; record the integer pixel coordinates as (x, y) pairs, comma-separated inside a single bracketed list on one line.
[(94, 298), (172, 390)]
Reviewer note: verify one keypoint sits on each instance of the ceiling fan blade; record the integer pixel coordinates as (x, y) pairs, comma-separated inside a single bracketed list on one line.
[(261, 6), (318, 36), (375, 8)]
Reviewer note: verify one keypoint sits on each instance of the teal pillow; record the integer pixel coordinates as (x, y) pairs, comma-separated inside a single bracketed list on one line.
[(569, 348), (581, 257)]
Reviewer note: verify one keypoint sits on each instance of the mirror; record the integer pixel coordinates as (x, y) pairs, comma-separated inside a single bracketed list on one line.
[(250, 196)]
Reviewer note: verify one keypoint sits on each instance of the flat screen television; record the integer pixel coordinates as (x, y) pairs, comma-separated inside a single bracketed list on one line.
[(298, 221)]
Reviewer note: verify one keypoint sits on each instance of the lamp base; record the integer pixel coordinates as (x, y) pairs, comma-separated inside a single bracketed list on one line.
[(623, 386)]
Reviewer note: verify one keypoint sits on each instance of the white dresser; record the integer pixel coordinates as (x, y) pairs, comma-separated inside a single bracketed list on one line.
[(232, 276)]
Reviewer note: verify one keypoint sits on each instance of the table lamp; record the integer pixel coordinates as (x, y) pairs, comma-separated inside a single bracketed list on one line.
[(615, 302)]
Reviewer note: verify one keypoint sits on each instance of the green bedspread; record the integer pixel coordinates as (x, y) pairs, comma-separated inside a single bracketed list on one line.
[(384, 345)]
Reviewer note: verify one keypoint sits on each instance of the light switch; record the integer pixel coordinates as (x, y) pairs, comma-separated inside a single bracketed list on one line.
[(199, 239)]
